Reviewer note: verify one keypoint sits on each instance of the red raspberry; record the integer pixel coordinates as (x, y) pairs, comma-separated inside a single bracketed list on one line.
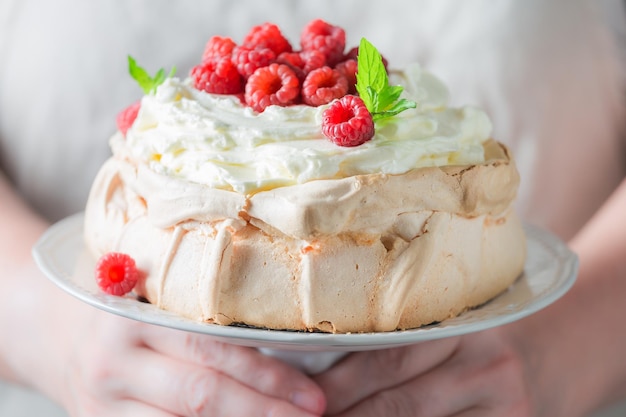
[(295, 62), (348, 69), (347, 122), (293, 59), (274, 84), (326, 38), (116, 273), (323, 85), (313, 60), (218, 47), (302, 62), (352, 53), (249, 59), (126, 117), (267, 35), (217, 77)]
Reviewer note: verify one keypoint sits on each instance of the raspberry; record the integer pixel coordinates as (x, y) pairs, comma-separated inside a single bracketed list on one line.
[(274, 84), (347, 122), (267, 35), (218, 47), (313, 60), (302, 62), (352, 53), (326, 38), (348, 69), (126, 117), (295, 61), (323, 85), (249, 59), (217, 77), (116, 273)]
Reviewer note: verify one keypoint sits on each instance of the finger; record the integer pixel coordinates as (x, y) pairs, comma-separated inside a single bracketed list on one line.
[(379, 370), (475, 412), (465, 384), (422, 397), (118, 408), (266, 375), (187, 389), (130, 408)]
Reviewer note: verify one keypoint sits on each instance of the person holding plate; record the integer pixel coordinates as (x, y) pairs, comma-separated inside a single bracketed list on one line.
[(551, 76)]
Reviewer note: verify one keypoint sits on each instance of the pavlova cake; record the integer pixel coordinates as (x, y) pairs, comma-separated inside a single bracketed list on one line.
[(304, 189)]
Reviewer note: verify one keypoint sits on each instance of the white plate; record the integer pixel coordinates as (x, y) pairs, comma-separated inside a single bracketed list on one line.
[(549, 272)]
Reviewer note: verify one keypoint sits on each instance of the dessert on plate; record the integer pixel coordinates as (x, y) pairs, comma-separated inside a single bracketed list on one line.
[(304, 188)]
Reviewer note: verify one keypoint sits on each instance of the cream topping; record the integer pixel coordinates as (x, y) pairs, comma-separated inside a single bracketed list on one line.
[(216, 141)]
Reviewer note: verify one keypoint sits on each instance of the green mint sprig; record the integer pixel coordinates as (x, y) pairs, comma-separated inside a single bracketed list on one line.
[(372, 83), (147, 83)]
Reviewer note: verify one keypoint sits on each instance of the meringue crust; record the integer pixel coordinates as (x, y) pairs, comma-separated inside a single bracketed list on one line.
[(366, 253)]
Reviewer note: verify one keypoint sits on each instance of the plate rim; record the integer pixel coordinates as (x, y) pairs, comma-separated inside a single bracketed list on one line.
[(294, 340)]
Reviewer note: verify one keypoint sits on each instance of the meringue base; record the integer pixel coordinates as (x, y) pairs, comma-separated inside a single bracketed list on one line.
[(370, 253)]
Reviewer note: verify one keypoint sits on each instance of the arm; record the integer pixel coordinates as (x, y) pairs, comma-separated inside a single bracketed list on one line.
[(582, 337), (24, 294), (565, 361), (95, 363)]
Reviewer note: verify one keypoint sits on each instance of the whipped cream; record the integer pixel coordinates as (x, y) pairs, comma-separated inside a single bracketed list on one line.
[(216, 141)]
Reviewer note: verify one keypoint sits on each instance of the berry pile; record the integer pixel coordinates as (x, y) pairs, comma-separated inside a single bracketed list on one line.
[(265, 70)]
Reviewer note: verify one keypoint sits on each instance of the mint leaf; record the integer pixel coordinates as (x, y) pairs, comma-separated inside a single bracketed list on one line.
[(371, 72), (372, 83), (373, 98), (147, 83), (140, 75), (389, 96), (159, 77), (396, 108)]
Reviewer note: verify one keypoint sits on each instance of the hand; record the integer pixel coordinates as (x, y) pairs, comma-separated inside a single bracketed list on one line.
[(120, 367), (477, 375)]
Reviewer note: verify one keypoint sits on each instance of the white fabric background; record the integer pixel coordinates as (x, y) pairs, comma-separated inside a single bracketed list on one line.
[(550, 73)]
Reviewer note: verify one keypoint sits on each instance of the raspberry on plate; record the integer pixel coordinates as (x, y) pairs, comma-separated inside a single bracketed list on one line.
[(323, 85), (275, 84), (217, 77), (116, 273), (326, 38), (347, 122), (126, 117)]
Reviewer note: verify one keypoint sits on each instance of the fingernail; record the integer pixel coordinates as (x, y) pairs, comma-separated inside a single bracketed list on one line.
[(307, 401)]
